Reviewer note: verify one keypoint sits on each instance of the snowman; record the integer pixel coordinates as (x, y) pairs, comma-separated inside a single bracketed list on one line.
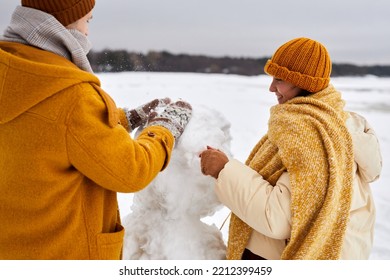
[(165, 221)]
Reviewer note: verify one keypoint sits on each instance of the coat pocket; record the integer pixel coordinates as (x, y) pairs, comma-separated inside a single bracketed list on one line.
[(110, 244)]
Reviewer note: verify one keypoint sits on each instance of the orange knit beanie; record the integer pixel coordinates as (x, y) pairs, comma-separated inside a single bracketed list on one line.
[(65, 12), (302, 62)]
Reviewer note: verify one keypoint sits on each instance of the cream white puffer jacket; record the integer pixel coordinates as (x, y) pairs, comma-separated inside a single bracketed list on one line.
[(266, 208)]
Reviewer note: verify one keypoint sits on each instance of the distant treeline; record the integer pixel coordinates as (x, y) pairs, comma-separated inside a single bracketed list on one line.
[(122, 60)]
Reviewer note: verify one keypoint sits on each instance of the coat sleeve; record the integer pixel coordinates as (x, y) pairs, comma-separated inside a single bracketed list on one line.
[(264, 207), (366, 148), (107, 154), (123, 119)]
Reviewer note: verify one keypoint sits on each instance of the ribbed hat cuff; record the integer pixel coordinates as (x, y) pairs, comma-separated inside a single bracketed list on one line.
[(64, 12), (74, 13), (306, 82)]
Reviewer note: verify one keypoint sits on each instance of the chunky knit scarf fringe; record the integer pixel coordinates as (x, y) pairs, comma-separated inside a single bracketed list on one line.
[(36, 28), (308, 138)]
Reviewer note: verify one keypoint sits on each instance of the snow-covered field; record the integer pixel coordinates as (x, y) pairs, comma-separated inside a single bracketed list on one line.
[(245, 103)]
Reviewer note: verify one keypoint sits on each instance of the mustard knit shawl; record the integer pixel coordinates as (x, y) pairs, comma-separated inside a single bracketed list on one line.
[(308, 138)]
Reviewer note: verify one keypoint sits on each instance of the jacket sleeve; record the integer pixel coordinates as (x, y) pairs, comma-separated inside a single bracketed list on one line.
[(366, 148), (107, 154), (123, 119), (264, 207)]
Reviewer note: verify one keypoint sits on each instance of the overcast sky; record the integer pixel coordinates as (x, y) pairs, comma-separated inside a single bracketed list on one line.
[(354, 31)]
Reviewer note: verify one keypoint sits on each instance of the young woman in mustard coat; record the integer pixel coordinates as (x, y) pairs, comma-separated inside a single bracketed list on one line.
[(65, 148)]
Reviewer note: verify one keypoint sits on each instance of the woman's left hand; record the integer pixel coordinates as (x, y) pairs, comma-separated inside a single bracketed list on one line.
[(212, 161)]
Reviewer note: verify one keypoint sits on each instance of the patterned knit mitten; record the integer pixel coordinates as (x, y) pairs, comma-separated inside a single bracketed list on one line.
[(175, 118), (142, 114)]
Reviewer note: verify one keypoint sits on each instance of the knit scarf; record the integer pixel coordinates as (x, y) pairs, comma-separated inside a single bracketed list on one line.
[(307, 137), (36, 28)]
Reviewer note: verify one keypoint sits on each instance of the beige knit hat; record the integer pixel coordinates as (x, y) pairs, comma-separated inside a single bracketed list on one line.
[(302, 62), (65, 11)]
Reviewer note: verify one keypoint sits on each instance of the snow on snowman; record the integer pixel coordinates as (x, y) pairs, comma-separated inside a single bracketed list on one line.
[(165, 218)]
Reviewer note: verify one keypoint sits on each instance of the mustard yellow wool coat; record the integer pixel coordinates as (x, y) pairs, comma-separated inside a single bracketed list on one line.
[(63, 157)]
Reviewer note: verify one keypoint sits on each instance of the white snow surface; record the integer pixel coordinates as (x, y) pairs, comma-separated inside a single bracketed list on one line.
[(165, 222), (178, 215)]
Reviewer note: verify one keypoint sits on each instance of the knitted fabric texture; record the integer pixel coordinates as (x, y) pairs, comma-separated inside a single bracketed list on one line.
[(302, 62), (36, 28), (174, 118), (65, 12), (308, 138)]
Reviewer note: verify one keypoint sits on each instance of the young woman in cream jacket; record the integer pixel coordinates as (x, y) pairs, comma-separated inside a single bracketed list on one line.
[(337, 223), (267, 208)]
